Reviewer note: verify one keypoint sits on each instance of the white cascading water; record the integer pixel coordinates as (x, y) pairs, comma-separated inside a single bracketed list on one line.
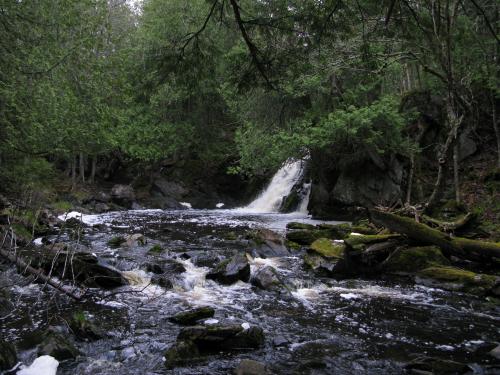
[(279, 187)]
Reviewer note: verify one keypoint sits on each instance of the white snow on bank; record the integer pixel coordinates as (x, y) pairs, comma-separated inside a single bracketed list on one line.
[(86, 219), (38, 241), (44, 365), (186, 204), (349, 296), (219, 205)]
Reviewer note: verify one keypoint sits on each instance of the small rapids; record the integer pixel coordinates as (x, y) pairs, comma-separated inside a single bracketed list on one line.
[(313, 326)]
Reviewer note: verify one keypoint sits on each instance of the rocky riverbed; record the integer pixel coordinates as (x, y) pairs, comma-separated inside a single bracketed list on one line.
[(243, 294)]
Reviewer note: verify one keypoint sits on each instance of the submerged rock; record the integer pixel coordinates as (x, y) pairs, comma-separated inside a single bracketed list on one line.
[(250, 367), (57, 346), (192, 316), (231, 270), (267, 278), (8, 356)]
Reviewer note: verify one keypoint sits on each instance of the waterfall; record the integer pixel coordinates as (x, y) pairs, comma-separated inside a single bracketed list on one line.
[(280, 186)]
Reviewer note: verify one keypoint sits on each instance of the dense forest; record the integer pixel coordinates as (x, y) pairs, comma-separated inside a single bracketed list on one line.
[(390, 106), (240, 87)]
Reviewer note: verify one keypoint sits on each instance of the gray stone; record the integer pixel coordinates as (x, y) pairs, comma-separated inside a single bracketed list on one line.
[(8, 356), (231, 270), (267, 278)]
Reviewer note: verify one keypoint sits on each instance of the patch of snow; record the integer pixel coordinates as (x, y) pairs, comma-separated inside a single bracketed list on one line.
[(44, 365), (38, 241), (445, 347), (349, 296), (211, 321), (219, 205), (246, 326), (186, 204)]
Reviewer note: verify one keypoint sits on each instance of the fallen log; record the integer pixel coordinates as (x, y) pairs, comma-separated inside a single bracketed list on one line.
[(73, 292), (450, 226), (451, 246)]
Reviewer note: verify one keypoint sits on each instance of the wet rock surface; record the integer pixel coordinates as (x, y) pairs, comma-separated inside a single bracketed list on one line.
[(231, 270)]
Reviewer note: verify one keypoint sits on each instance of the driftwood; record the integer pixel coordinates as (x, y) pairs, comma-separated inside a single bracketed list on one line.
[(451, 246), (71, 291)]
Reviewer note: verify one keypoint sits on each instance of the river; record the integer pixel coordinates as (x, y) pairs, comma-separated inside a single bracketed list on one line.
[(320, 326)]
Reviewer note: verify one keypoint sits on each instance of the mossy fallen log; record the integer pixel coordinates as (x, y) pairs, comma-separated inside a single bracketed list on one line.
[(450, 226), (451, 246)]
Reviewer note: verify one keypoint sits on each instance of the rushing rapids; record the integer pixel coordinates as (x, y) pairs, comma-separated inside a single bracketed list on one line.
[(315, 325)]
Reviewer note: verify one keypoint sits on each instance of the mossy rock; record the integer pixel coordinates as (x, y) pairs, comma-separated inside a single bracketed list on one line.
[(304, 237), (336, 231), (453, 278), (327, 248), (292, 245), (22, 233), (414, 259), (156, 249), (116, 241), (359, 242), (297, 225), (8, 356)]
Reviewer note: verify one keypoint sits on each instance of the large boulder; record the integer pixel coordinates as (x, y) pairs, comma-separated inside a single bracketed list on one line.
[(170, 189), (194, 342), (215, 338), (57, 346), (8, 356), (326, 257), (124, 195), (267, 278), (267, 243), (231, 270), (81, 266)]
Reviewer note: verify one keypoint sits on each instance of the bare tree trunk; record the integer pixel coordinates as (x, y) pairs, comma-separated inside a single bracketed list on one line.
[(93, 169), (73, 173), (410, 178), (456, 171), (82, 166), (497, 130)]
